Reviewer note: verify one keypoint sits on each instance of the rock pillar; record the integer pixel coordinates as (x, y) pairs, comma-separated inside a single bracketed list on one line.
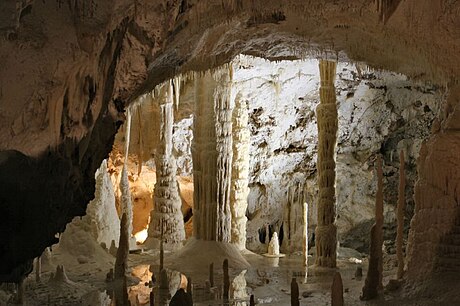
[(166, 216), (326, 231), (212, 155), (240, 172)]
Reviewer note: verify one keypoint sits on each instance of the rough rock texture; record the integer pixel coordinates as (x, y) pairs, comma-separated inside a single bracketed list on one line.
[(326, 113), (400, 216), (433, 240), (69, 68)]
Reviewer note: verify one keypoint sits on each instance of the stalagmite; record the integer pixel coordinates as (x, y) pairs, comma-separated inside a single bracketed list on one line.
[(400, 216), (294, 293), (273, 246), (305, 235), (373, 281), (126, 205), (251, 301), (190, 286), (240, 172), (326, 231), (123, 249), (337, 290), (226, 280), (38, 269), (211, 274), (152, 298), (166, 216), (239, 286), (212, 155)]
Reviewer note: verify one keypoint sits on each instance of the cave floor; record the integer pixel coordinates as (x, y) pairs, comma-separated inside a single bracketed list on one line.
[(267, 278)]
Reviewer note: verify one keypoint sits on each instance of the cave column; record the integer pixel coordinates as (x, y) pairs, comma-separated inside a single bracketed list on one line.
[(326, 230), (212, 155), (166, 217), (240, 172)]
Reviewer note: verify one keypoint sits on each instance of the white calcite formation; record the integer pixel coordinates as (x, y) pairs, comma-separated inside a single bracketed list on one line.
[(166, 216), (238, 288), (240, 172), (100, 225), (126, 205), (326, 230), (274, 245), (212, 155)]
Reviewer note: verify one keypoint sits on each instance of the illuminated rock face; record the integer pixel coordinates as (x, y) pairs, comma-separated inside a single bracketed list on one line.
[(212, 155), (166, 217), (326, 112)]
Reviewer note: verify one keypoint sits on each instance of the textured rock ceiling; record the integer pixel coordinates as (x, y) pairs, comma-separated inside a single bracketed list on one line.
[(68, 68)]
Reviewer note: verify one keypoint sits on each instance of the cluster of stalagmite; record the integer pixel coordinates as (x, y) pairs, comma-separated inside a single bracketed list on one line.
[(166, 216), (293, 216), (326, 230), (400, 216), (240, 173), (212, 155), (373, 281)]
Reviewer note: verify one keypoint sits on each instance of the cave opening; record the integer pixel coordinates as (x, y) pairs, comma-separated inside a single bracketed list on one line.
[(234, 135)]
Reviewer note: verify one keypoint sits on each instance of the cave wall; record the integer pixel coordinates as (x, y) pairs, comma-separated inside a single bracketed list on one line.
[(69, 68)]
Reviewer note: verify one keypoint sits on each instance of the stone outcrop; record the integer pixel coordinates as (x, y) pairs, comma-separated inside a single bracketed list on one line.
[(326, 230)]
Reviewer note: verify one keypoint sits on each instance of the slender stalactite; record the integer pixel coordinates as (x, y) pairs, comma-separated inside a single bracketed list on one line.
[(400, 216), (212, 155), (326, 230), (166, 216), (373, 281), (240, 172)]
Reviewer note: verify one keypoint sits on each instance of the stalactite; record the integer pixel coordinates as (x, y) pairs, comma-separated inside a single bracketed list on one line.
[(326, 230), (212, 155), (400, 216), (240, 172), (140, 152), (305, 236), (127, 133), (373, 281), (166, 217)]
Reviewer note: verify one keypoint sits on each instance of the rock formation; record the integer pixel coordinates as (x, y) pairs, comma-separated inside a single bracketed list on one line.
[(240, 171), (38, 269), (305, 236), (294, 293), (238, 288), (326, 231), (211, 274), (167, 201), (121, 264), (400, 216), (337, 290), (127, 206), (373, 283), (274, 246), (226, 285), (212, 155)]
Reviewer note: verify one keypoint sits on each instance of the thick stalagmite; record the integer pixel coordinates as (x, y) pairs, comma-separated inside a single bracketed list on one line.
[(166, 216), (326, 231), (400, 216), (373, 281), (126, 204), (240, 172), (212, 155)]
